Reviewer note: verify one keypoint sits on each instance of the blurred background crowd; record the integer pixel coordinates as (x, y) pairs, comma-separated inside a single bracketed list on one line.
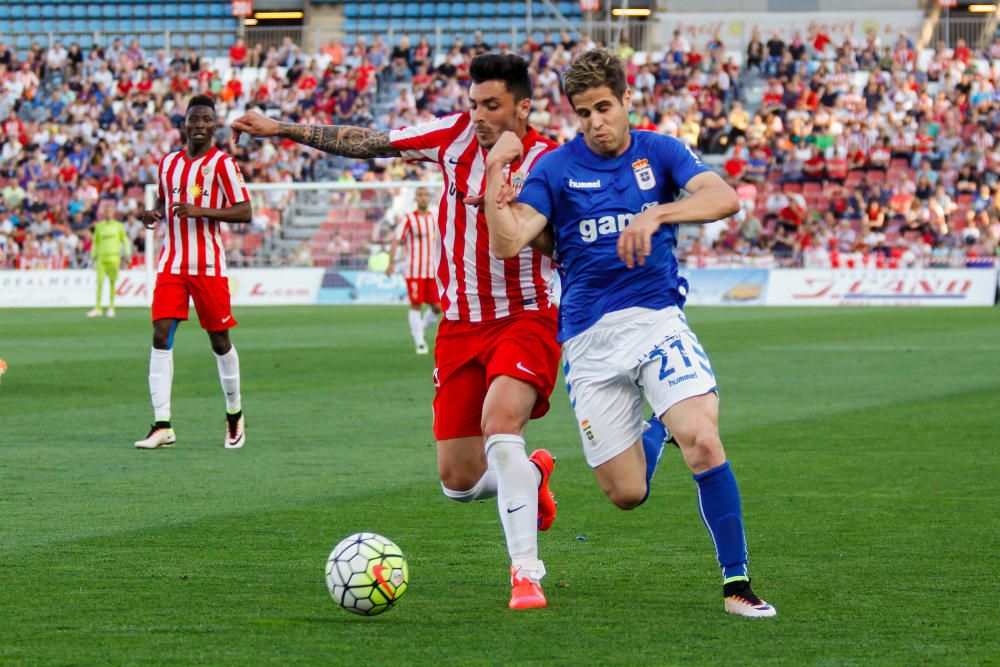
[(844, 154)]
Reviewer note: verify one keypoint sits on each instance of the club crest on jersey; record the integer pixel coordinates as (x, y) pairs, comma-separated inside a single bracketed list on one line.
[(644, 174), (517, 181), (205, 171)]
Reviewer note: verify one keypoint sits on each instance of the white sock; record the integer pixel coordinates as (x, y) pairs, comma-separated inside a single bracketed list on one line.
[(229, 375), (161, 377), (430, 317), (416, 326), (486, 487), (517, 501)]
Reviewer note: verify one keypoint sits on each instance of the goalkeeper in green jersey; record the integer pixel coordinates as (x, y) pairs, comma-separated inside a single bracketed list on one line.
[(110, 242)]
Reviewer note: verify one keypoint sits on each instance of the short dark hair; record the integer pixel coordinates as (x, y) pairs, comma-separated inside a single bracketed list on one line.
[(594, 69), (506, 67), (201, 101)]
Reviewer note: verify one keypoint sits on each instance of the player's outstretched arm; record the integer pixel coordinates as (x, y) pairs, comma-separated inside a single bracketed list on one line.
[(515, 225), (711, 199), (345, 140)]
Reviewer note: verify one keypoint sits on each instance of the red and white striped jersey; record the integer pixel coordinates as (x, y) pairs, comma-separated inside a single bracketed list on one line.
[(193, 246), (418, 235), (474, 285)]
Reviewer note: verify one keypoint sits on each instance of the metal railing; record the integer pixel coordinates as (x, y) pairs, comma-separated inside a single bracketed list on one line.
[(975, 32)]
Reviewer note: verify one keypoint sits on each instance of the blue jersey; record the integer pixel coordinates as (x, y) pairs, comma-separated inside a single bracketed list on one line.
[(589, 199)]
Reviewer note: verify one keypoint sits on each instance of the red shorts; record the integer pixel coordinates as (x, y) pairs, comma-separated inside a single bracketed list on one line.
[(422, 290), (469, 356), (210, 294)]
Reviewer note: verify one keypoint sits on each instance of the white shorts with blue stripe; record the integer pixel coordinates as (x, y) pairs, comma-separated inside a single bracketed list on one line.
[(624, 356)]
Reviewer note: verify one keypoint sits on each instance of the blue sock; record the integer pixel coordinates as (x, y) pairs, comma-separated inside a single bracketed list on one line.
[(719, 503), (653, 439)]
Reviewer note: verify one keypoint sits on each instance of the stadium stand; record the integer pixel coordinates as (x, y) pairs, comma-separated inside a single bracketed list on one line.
[(844, 154)]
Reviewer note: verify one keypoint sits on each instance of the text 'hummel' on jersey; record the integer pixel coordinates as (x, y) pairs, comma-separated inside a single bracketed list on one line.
[(591, 228)]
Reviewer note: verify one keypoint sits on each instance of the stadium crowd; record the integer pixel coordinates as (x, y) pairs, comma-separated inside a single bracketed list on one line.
[(844, 154)]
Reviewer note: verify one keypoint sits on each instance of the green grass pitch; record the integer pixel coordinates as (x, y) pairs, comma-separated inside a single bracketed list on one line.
[(865, 442)]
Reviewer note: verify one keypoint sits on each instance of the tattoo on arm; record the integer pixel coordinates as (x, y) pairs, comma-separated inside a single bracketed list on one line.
[(343, 140)]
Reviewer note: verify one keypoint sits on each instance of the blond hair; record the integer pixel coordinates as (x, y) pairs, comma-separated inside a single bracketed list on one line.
[(593, 69)]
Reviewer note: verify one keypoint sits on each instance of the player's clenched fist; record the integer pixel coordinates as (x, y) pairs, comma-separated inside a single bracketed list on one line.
[(150, 218), (254, 124), (507, 149)]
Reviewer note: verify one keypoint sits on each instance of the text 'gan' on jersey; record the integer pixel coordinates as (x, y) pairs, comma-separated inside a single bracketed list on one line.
[(474, 285), (193, 246), (589, 199)]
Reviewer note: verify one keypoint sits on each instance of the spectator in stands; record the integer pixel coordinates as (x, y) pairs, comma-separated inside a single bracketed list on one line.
[(238, 54), (814, 168)]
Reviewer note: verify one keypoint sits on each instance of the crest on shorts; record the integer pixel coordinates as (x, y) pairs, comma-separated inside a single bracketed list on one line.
[(644, 174)]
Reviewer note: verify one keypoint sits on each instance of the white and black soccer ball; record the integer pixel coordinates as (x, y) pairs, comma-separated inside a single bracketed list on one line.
[(366, 574)]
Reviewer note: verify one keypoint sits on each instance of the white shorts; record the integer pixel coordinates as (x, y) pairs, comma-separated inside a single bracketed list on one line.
[(625, 355)]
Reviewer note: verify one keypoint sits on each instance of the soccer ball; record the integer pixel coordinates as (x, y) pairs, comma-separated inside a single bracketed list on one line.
[(366, 574)]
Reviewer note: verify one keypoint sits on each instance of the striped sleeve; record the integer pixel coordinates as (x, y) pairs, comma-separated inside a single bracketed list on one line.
[(229, 178), (425, 142)]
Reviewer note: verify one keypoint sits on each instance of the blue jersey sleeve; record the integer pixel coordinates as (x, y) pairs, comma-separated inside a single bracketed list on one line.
[(538, 188), (679, 160)]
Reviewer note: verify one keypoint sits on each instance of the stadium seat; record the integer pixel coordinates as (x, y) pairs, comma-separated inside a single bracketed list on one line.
[(17, 12), (351, 10), (473, 9)]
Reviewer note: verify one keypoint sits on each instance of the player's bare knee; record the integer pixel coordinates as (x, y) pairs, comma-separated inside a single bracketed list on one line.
[(702, 450), (503, 422), (458, 479), (626, 498), (220, 342)]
